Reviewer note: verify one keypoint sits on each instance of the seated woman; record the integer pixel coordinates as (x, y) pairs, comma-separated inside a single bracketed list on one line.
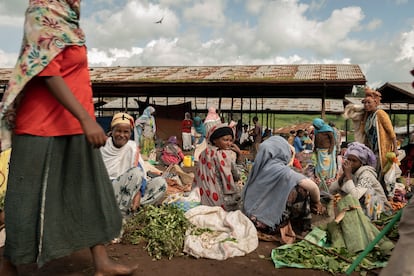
[(275, 195), (126, 169), (359, 179), (172, 153), (216, 172)]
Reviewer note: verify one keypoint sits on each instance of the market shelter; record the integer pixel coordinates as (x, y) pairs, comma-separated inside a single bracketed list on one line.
[(243, 87), (323, 81)]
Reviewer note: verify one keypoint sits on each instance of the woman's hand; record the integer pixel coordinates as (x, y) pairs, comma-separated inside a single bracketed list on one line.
[(347, 169), (93, 132), (235, 148), (318, 208)]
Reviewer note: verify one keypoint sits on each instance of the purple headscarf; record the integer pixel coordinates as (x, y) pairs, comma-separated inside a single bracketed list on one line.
[(362, 152), (172, 140)]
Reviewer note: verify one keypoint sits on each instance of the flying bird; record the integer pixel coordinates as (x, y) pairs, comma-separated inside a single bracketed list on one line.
[(159, 21)]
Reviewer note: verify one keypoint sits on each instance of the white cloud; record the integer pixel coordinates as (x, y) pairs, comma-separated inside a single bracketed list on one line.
[(374, 24), (11, 21), (255, 6), (407, 47), (133, 25), (111, 57), (13, 8), (285, 26), (7, 60), (209, 13)]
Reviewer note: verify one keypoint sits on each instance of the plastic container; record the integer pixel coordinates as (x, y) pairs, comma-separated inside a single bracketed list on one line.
[(187, 161)]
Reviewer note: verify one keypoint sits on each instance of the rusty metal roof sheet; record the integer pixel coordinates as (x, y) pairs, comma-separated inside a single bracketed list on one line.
[(397, 92), (278, 81), (281, 73)]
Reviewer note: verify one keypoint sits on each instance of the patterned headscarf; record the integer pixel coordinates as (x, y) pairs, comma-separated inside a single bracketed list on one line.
[(49, 27), (122, 118), (362, 152), (373, 94)]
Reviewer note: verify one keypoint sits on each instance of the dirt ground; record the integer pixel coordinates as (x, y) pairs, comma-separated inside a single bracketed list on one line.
[(80, 264)]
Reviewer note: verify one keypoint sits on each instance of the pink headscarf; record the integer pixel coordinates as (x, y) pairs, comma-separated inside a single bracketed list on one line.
[(212, 114)]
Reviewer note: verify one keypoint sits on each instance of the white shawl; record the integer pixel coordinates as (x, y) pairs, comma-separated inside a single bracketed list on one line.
[(119, 160)]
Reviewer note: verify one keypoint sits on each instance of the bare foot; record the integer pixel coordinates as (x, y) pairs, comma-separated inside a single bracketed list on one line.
[(112, 268), (104, 266), (7, 268)]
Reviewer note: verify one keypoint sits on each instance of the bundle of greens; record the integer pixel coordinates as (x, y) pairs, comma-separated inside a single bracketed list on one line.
[(304, 254), (162, 228)]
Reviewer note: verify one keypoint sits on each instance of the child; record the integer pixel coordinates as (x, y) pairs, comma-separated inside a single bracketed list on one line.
[(216, 173)]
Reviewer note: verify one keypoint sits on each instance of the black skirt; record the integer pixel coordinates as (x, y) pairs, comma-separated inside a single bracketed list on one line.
[(59, 199)]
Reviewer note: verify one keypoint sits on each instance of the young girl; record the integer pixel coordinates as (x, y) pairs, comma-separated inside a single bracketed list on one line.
[(216, 173)]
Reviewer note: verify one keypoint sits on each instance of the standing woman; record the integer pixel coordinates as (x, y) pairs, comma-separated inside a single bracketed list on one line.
[(199, 137), (377, 127), (211, 119), (325, 150), (59, 198), (186, 126), (145, 130)]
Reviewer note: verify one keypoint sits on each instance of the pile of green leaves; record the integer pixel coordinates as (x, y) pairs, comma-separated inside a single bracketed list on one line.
[(306, 255), (383, 221), (162, 228)]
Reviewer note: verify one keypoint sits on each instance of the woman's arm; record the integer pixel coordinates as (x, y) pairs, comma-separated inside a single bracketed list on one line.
[(93, 131), (313, 189)]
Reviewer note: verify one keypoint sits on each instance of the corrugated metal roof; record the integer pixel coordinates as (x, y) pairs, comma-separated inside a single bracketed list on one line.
[(397, 92), (280, 73)]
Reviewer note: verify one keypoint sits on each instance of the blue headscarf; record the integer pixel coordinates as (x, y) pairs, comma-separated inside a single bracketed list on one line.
[(321, 126), (199, 128), (270, 182)]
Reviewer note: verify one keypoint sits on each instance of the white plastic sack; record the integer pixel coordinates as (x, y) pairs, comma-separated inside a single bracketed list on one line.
[(390, 177), (233, 234)]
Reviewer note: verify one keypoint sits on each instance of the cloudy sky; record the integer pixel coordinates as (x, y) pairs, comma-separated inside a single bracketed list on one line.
[(378, 35)]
